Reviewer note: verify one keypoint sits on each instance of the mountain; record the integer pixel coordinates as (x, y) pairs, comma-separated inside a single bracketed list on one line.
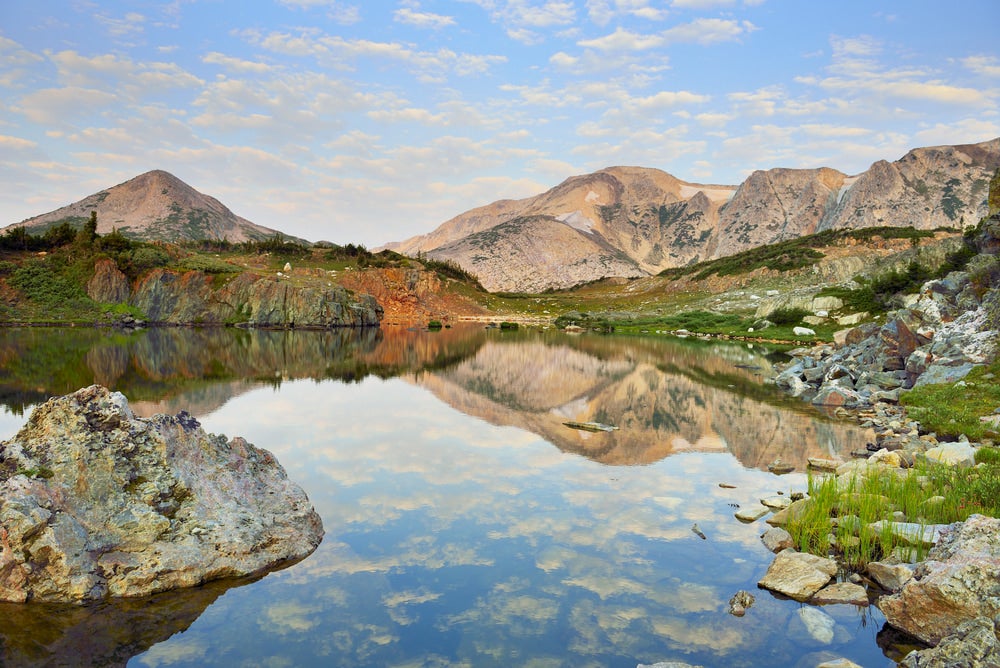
[(155, 206), (634, 221)]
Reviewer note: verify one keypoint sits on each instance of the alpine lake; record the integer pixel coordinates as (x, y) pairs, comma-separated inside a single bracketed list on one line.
[(466, 523)]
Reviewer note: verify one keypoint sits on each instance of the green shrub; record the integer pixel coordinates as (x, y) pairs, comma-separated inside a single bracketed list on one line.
[(40, 283), (788, 316), (508, 325), (434, 324), (139, 260)]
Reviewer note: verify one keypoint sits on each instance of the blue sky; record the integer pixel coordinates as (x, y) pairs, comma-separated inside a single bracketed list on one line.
[(370, 122)]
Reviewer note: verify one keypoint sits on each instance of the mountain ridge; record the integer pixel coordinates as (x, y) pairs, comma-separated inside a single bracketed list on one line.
[(637, 221), (154, 206)]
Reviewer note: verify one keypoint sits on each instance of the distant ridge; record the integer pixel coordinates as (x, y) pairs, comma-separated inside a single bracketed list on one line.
[(155, 206), (636, 221)]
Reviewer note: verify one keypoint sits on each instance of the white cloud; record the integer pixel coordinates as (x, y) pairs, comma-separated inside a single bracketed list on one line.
[(408, 115), (423, 19), (601, 12), (340, 12), (665, 99), (699, 31), (9, 143), (965, 131), (236, 64), (986, 65), (62, 106), (623, 40), (709, 31), (700, 5), (131, 23)]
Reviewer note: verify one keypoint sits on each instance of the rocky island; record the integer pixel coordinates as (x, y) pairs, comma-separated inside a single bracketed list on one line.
[(98, 503)]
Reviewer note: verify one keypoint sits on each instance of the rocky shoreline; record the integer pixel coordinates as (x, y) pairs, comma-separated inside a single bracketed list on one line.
[(949, 600)]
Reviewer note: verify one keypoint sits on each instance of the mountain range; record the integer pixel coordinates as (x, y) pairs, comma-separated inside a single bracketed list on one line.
[(617, 222), (155, 206), (634, 221)]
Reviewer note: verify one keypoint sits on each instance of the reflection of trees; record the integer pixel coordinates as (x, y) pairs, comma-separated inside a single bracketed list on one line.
[(665, 395), (166, 369), (108, 634)]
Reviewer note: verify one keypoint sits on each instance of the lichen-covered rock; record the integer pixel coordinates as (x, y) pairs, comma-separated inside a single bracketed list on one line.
[(959, 581), (97, 503), (108, 284), (972, 645), (249, 299)]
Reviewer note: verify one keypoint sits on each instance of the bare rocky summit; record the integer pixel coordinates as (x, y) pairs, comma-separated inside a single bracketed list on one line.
[(633, 221), (97, 503), (155, 206)]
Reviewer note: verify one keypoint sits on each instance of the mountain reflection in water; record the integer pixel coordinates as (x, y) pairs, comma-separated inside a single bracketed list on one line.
[(455, 533), (664, 395)]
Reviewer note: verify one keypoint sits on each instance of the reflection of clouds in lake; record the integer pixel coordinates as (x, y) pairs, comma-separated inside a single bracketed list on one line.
[(183, 651), (401, 604), (603, 555), (719, 637), (290, 617)]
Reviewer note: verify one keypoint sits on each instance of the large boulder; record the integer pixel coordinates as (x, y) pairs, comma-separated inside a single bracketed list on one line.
[(972, 645), (959, 581), (97, 503)]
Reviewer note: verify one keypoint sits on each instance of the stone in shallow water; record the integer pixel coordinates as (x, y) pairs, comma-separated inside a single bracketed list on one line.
[(776, 502), (798, 575), (841, 592), (751, 513), (124, 506), (777, 539), (890, 577)]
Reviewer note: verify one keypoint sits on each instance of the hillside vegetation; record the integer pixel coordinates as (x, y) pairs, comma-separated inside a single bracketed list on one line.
[(43, 279)]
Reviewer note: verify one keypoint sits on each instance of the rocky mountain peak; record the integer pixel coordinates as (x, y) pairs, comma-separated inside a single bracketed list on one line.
[(155, 205), (635, 221)]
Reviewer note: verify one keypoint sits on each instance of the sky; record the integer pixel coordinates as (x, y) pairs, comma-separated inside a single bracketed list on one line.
[(370, 122)]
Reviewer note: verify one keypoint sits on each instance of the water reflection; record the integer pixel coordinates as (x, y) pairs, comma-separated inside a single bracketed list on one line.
[(665, 396), (108, 634), (456, 533)]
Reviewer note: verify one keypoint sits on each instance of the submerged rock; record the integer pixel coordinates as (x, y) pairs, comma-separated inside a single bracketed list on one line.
[(97, 503), (739, 603)]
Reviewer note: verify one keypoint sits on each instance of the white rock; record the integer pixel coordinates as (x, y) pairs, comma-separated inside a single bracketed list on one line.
[(751, 514), (953, 454), (803, 331)]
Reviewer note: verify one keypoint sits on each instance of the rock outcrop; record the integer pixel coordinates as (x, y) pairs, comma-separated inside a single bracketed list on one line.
[(633, 221), (933, 341), (973, 644), (959, 581), (251, 300), (96, 503)]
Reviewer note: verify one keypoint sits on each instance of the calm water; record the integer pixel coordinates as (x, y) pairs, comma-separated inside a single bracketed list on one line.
[(465, 524)]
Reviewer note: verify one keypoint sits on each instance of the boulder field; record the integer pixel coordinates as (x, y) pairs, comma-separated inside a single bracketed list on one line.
[(98, 503)]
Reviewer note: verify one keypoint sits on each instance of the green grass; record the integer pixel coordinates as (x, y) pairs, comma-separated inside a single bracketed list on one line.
[(791, 254), (952, 409), (845, 507)]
